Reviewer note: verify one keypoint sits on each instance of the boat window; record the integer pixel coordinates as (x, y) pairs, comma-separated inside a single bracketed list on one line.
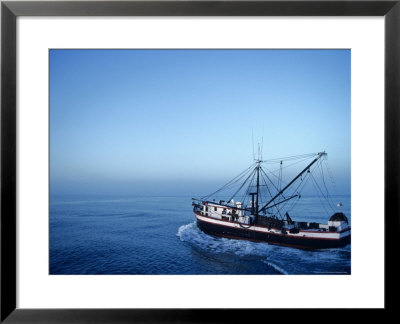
[(215, 208)]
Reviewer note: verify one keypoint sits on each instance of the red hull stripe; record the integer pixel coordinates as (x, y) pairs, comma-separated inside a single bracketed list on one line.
[(302, 231), (271, 233)]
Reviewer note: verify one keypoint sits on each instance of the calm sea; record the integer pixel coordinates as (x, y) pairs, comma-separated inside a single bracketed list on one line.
[(158, 235)]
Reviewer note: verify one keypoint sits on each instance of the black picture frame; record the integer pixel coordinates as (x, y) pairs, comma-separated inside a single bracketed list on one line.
[(10, 10)]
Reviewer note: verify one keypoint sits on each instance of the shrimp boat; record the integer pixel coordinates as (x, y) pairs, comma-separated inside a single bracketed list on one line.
[(257, 204)]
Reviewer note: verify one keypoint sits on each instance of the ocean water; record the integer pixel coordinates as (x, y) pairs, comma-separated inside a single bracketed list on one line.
[(158, 235)]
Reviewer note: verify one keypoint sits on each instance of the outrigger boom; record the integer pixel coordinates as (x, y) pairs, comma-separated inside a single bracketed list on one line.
[(307, 168)]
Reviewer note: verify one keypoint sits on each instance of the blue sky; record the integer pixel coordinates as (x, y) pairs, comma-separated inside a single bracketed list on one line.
[(165, 122)]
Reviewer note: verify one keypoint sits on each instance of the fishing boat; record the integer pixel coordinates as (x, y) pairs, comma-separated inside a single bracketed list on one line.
[(257, 202)]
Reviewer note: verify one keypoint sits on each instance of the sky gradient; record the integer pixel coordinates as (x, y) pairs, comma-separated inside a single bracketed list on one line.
[(180, 122)]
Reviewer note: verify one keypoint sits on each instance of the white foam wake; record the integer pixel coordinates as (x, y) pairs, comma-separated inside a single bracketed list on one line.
[(276, 267), (282, 259), (193, 236)]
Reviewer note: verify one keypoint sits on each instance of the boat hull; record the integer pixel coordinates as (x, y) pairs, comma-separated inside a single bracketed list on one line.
[(226, 230)]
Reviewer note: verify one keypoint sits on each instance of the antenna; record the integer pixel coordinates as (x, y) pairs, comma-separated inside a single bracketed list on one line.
[(252, 142), (262, 144)]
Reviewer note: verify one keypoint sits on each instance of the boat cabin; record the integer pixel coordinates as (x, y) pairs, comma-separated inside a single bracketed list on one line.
[(230, 212)]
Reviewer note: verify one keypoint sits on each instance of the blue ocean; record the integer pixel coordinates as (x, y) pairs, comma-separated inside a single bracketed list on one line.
[(159, 236)]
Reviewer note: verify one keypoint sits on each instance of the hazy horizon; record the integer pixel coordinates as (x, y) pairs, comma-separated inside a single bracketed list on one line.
[(181, 122)]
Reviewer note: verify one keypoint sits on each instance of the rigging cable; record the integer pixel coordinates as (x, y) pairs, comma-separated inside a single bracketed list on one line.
[(285, 167), (289, 158), (335, 191), (317, 186), (323, 179), (262, 177), (303, 184), (292, 194), (252, 173), (231, 182), (276, 188)]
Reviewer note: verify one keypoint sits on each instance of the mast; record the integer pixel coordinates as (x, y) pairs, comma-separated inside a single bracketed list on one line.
[(252, 194), (321, 154), (258, 187), (258, 181)]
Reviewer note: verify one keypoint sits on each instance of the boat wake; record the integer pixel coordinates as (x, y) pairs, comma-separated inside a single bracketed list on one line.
[(280, 260), (202, 242), (277, 268)]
